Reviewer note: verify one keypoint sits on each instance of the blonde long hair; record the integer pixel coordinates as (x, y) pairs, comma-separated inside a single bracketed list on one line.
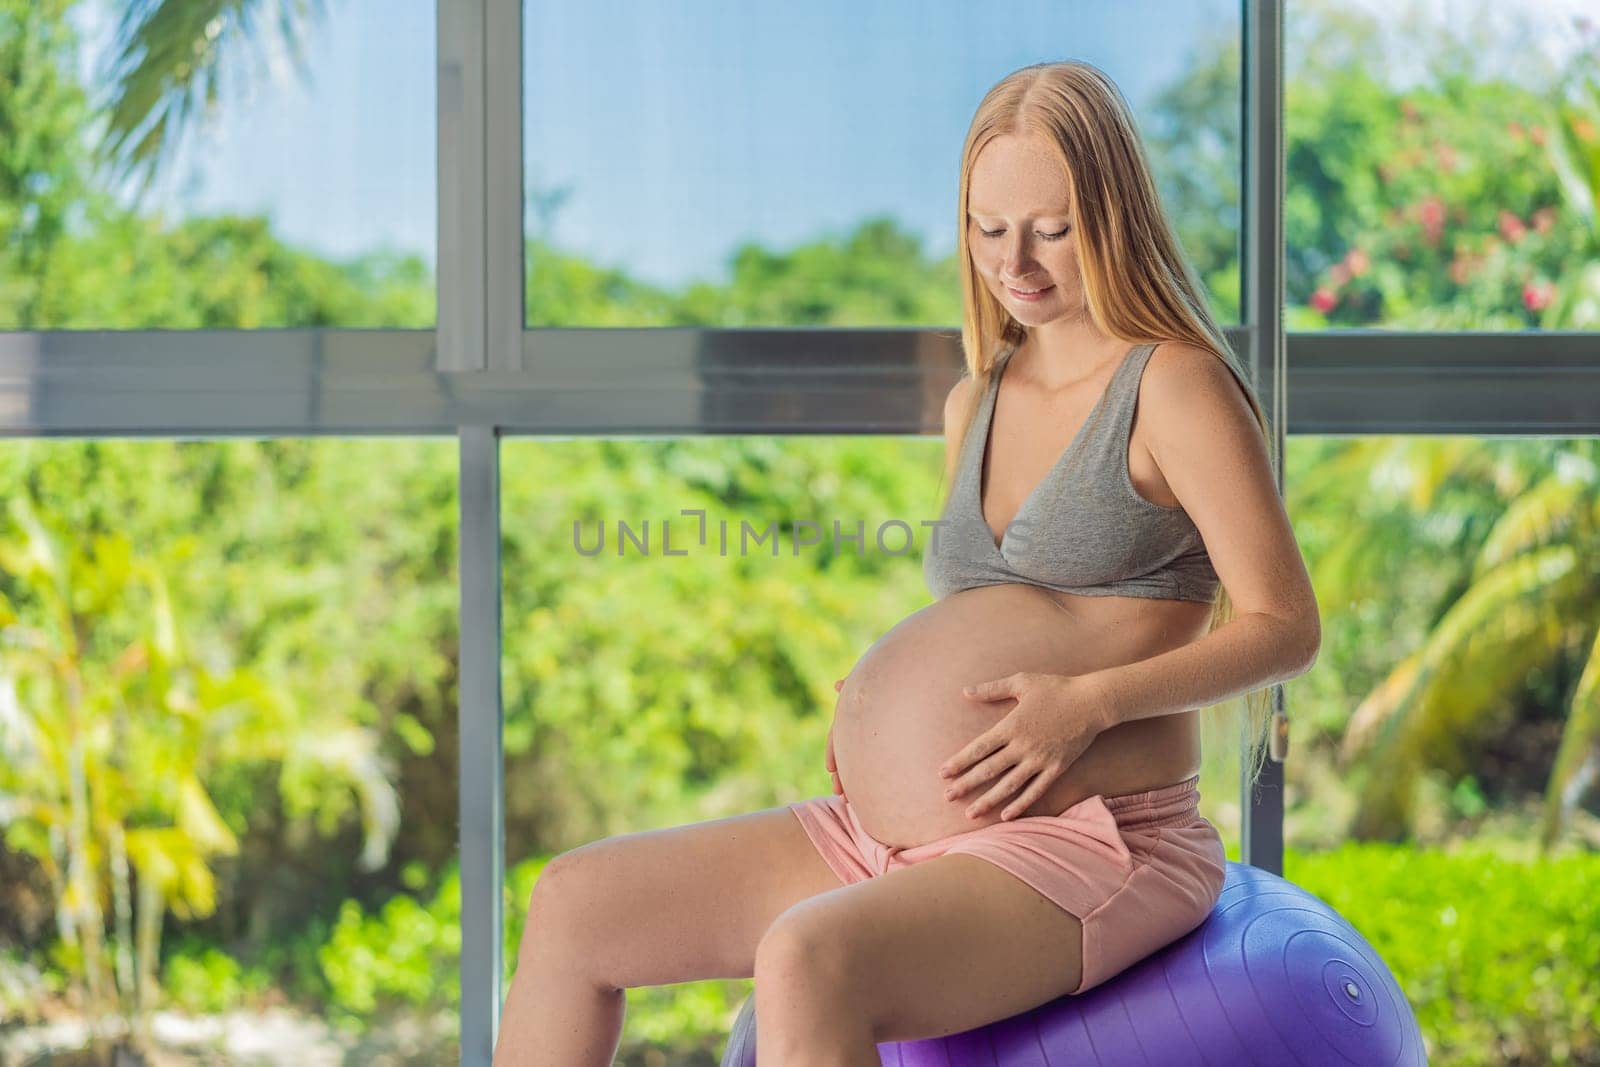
[(1137, 282)]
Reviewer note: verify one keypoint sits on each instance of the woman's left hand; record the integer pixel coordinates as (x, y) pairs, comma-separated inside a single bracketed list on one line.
[(1056, 718)]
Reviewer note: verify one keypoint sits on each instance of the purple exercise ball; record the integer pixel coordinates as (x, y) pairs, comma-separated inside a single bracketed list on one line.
[(1273, 976)]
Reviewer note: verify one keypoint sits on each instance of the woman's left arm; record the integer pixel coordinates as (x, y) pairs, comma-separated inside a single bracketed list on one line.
[(1246, 653), (1205, 438)]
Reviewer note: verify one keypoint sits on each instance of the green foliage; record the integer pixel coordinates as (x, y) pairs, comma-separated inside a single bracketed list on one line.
[(1451, 205), (406, 955), (672, 699), (212, 981), (1498, 956), (1452, 585), (402, 959)]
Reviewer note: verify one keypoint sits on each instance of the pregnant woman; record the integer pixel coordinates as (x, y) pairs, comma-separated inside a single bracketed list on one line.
[(1015, 812)]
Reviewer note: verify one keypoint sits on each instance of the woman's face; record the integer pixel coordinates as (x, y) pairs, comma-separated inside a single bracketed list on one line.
[(1020, 230)]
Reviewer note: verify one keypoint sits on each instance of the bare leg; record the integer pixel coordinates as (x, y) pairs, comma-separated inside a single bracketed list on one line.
[(825, 1035), (649, 908), (807, 1013), (556, 1014)]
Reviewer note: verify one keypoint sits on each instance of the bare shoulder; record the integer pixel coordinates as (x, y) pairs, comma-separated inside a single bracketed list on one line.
[(1184, 382), (955, 406), (955, 402), (1181, 359)]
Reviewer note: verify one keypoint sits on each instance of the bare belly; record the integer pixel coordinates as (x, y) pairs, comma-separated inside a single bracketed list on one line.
[(901, 712)]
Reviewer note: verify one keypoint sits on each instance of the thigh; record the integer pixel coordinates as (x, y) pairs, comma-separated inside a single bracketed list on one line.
[(940, 947), (678, 904)]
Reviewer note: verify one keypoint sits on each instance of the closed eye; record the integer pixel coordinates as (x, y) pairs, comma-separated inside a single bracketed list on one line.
[(1046, 236)]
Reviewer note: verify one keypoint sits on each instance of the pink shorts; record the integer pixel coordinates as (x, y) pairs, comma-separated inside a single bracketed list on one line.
[(1138, 870)]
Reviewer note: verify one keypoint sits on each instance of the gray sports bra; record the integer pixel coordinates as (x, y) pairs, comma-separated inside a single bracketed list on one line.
[(1084, 529)]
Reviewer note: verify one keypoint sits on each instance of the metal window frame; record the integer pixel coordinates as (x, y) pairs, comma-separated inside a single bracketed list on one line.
[(480, 374), (304, 382), (1261, 309)]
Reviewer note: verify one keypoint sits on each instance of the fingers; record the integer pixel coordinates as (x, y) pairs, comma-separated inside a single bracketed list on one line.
[(1003, 789), (997, 688), (833, 765), (978, 748), (975, 777), (1035, 790)]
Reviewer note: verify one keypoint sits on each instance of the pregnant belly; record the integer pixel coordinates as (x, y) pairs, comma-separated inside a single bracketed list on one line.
[(901, 713)]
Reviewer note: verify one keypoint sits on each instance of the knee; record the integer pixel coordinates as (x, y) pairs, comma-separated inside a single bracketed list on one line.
[(555, 905), (555, 882), (800, 950)]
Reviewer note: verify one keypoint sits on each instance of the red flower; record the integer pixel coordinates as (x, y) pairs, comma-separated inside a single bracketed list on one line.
[(1431, 213), (1536, 296), (1324, 300), (1511, 227)]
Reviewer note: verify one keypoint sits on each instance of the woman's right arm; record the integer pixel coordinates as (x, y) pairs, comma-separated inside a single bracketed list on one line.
[(955, 406)]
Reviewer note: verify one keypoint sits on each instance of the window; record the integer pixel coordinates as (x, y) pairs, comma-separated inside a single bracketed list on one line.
[(304, 196)]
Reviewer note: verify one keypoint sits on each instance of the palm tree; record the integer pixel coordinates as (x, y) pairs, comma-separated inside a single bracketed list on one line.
[(1522, 601), (168, 53), (106, 745)]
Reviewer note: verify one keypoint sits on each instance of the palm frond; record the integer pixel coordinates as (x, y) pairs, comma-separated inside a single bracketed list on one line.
[(168, 56), (1509, 620), (1541, 516), (1577, 762)]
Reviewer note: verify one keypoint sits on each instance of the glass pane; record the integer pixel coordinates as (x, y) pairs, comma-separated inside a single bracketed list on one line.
[(228, 748), (686, 682), (722, 182), (1443, 165), (303, 194), (1444, 735)]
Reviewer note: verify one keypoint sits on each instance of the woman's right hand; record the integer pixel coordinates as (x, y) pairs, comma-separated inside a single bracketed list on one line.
[(833, 766)]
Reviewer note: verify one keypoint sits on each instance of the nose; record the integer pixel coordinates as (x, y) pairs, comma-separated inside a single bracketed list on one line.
[(1017, 261)]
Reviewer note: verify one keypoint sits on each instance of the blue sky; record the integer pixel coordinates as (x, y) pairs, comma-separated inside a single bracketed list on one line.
[(679, 130)]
